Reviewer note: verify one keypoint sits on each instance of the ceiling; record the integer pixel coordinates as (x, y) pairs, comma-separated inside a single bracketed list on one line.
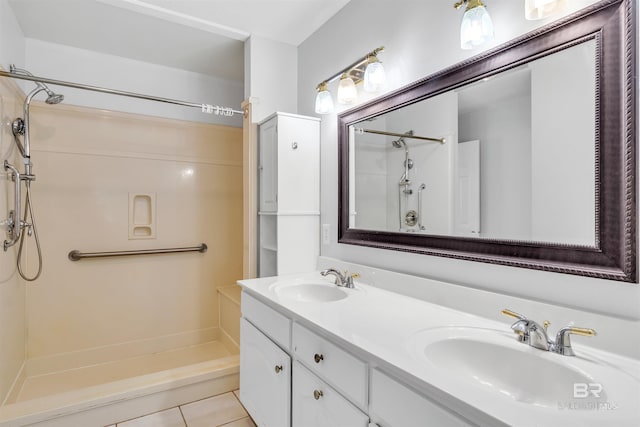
[(203, 36)]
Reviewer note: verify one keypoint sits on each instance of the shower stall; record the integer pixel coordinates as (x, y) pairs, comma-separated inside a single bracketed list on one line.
[(154, 325)]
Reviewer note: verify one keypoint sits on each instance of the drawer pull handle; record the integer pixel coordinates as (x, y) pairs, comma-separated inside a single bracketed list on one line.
[(318, 357), (317, 394), (278, 369)]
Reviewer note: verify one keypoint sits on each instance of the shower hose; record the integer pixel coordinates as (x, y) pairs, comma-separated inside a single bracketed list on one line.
[(30, 229)]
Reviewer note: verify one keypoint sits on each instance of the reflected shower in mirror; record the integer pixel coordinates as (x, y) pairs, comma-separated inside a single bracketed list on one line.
[(518, 160)]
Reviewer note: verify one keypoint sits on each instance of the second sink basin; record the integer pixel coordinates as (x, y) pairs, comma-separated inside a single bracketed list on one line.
[(496, 362)]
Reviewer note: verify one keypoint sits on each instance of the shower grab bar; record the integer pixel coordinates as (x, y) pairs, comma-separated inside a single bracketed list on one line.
[(14, 226), (420, 189), (77, 255)]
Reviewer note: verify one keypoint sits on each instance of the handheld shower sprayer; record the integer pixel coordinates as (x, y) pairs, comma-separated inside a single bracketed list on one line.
[(15, 224)]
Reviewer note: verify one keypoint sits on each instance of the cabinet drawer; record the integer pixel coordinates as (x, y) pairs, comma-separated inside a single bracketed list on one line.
[(270, 322), (395, 405), (339, 368), (316, 404)]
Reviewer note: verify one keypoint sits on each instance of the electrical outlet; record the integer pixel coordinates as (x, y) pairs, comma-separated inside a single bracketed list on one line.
[(326, 233)]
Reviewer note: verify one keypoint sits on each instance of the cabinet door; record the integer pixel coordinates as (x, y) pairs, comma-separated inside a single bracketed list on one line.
[(268, 166), (265, 378), (316, 404), (298, 165)]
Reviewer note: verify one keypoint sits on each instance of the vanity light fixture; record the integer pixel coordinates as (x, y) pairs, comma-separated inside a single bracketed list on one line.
[(476, 27), (540, 9), (324, 101), (368, 69), (347, 92)]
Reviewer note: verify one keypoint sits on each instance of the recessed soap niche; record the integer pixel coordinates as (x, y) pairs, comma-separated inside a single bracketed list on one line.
[(142, 216)]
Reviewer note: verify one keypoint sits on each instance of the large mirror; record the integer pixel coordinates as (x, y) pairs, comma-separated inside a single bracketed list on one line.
[(522, 156)]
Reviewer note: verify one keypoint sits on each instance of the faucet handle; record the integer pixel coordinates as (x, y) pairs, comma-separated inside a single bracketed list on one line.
[(349, 280), (563, 342), (508, 312), (521, 327)]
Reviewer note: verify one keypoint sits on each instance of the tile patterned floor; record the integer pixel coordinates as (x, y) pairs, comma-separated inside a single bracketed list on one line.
[(222, 410)]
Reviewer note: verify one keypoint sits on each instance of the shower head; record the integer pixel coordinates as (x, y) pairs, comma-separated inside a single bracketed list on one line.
[(52, 97), (399, 143)]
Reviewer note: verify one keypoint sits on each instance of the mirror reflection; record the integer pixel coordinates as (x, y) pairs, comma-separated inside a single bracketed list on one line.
[(511, 157)]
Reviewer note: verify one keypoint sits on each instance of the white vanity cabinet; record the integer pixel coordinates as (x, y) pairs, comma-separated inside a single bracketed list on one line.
[(294, 376), (289, 194)]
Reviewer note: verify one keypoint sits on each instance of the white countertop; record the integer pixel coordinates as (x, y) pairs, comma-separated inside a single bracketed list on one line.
[(383, 323)]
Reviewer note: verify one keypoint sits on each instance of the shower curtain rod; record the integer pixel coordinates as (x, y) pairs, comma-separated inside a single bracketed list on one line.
[(401, 135), (206, 108)]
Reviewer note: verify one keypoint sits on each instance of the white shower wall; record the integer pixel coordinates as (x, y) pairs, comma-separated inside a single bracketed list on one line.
[(87, 163), (12, 293)]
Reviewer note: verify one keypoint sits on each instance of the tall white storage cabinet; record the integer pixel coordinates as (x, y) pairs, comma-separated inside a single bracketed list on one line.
[(289, 192)]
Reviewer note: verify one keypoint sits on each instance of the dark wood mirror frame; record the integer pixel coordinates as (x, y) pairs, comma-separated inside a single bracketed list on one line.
[(612, 25)]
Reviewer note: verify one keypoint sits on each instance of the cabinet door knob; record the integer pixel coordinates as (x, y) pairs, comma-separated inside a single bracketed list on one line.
[(278, 369), (294, 145), (317, 394), (318, 357)]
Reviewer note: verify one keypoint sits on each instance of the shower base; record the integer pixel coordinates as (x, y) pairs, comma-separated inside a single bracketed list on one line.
[(103, 393)]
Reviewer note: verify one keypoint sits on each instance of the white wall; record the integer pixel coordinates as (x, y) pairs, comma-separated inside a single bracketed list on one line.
[(83, 66), (563, 129), (504, 131), (12, 43), (421, 38), (271, 77)]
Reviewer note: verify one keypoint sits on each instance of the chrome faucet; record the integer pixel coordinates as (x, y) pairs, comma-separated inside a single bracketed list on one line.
[(341, 279), (535, 335)]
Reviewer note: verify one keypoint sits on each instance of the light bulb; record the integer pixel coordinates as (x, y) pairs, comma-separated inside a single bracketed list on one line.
[(347, 93), (539, 9), (324, 101), (476, 27), (374, 76)]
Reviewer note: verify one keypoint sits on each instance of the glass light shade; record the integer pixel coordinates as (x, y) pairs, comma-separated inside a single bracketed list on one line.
[(347, 93), (539, 9), (324, 102), (476, 27), (374, 77)]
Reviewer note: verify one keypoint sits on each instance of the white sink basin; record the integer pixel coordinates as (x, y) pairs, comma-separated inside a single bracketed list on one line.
[(494, 361), (310, 292)]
